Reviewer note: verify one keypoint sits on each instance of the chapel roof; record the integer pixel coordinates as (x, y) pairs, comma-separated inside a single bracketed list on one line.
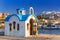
[(20, 17)]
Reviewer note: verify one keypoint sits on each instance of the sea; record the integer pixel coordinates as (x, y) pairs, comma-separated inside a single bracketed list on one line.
[(43, 31)]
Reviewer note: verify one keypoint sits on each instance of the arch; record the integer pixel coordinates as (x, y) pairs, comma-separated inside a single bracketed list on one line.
[(10, 25), (18, 28), (31, 26), (28, 26), (14, 23)]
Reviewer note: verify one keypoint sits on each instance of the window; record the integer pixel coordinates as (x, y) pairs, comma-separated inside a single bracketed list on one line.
[(14, 23), (10, 27), (27, 26), (31, 22), (20, 11), (18, 27)]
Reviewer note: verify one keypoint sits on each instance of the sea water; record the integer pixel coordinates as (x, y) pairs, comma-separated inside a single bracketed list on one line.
[(48, 31)]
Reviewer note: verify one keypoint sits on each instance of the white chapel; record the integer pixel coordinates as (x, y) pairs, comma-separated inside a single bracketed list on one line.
[(21, 24)]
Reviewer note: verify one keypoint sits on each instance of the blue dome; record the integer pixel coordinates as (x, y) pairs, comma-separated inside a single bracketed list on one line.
[(20, 17)]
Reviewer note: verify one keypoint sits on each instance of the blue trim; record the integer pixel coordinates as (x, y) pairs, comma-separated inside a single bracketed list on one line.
[(20, 17), (21, 9)]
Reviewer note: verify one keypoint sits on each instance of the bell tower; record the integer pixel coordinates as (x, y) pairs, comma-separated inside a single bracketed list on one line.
[(31, 10), (21, 11)]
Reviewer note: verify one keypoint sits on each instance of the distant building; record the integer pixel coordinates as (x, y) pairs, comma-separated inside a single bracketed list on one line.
[(21, 24), (57, 25), (2, 18), (51, 14), (3, 15)]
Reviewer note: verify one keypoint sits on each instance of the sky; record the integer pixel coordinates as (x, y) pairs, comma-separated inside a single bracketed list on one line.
[(10, 6)]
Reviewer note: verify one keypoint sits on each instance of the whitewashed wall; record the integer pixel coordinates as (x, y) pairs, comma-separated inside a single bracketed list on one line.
[(21, 32), (27, 21), (6, 30), (23, 27)]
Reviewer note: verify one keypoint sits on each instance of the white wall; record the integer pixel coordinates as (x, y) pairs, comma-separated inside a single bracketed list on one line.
[(21, 32), (6, 30), (27, 21), (23, 27)]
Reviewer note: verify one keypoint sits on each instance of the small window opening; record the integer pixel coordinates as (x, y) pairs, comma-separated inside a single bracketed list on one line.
[(10, 27), (14, 23), (18, 27)]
